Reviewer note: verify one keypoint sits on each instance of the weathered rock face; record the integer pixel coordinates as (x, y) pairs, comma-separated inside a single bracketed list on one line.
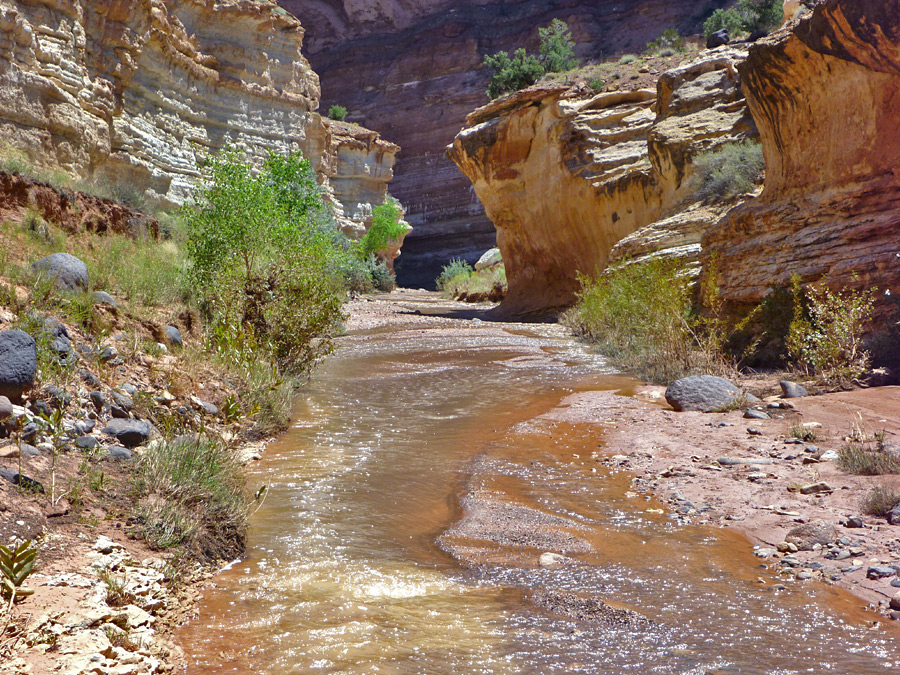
[(134, 91), (565, 174), (412, 71), (826, 98)]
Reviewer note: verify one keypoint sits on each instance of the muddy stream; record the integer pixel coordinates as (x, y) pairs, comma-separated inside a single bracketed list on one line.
[(360, 560)]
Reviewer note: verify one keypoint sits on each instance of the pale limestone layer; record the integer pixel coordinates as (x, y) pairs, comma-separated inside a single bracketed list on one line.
[(137, 90), (826, 98), (564, 174)]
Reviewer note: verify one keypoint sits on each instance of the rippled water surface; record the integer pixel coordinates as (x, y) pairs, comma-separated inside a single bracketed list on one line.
[(344, 573)]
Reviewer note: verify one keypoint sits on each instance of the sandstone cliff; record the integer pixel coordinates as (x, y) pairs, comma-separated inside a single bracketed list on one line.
[(826, 98), (412, 71), (134, 90), (565, 174)]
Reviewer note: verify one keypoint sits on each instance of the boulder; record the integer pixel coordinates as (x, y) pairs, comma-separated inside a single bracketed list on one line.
[(69, 273), (118, 452), (718, 39), (489, 258), (893, 516), (103, 298), (807, 535), (173, 335), (6, 409), (792, 389), (18, 363), (705, 393), (128, 432)]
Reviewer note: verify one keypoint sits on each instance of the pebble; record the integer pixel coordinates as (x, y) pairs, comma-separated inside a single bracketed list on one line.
[(754, 414)]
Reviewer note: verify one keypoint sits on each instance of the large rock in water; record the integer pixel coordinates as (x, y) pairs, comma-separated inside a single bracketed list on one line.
[(18, 363), (705, 393), (128, 432), (69, 273)]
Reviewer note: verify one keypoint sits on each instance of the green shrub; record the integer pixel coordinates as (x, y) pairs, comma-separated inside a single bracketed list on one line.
[(452, 270), (597, 84), (627, 59), (637, 314), (880, 500), (262, 259), (557, 47), (747, 16), (670, 41), (729, 170), (337, 112), (826, 334), (387, 226), (512, 74), (192, 494)]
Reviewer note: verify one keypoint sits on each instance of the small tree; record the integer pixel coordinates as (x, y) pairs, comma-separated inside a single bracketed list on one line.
[(747, 16), (337, 112), (512, 74), (386, 227), (557, 47)]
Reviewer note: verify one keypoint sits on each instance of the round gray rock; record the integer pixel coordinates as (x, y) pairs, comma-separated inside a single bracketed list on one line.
[(792, 389), (489, 258), (70, 273), (118, 452), (128, 432), (173, 335), (807, 535), (6, 409), (705, 393), (103, 298), (18, 363)]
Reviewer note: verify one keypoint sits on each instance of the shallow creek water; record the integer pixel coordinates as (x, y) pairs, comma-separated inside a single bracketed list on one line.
[(345, 574)]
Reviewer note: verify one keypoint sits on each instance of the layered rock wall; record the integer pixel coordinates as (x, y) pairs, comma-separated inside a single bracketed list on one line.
[(137, 90), (412, 70), (826, 98), (565, 174)]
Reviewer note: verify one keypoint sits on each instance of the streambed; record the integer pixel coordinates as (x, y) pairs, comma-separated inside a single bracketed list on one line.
[(410, 503)]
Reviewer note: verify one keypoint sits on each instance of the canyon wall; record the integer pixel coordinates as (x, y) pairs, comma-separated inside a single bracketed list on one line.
[(135, 91), (565, 174), (412, 70), (826, 98)]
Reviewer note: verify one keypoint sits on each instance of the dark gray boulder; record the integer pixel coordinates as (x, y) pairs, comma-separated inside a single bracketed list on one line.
[(705, 393), (173, 335), (87, 442), (792, 389), (718, 39), (128, 432), (18, 363), (70, 273), (893, 516), (118, 452)]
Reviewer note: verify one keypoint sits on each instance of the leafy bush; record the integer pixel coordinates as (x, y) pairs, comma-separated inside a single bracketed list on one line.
[(747, 16), (337, 112), (387, 226), (880, 500), (512, 74), (729, 170), (670, 41), (262, 259), (627, 59), (557, 47), (637, 314), (192, 494), (826, 334), (455, 268)]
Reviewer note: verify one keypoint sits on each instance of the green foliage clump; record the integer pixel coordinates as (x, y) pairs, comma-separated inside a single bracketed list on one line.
[(387, 226), (264, 258), (667, 44), (867, 459), (557, 54), (637, 314), (453, 272), (557, 47), (746, 17), (729, 170), (826, 333), (192, 494), (880, 500), (337, 112), (628, 59), (512, 74), (16, 564)]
